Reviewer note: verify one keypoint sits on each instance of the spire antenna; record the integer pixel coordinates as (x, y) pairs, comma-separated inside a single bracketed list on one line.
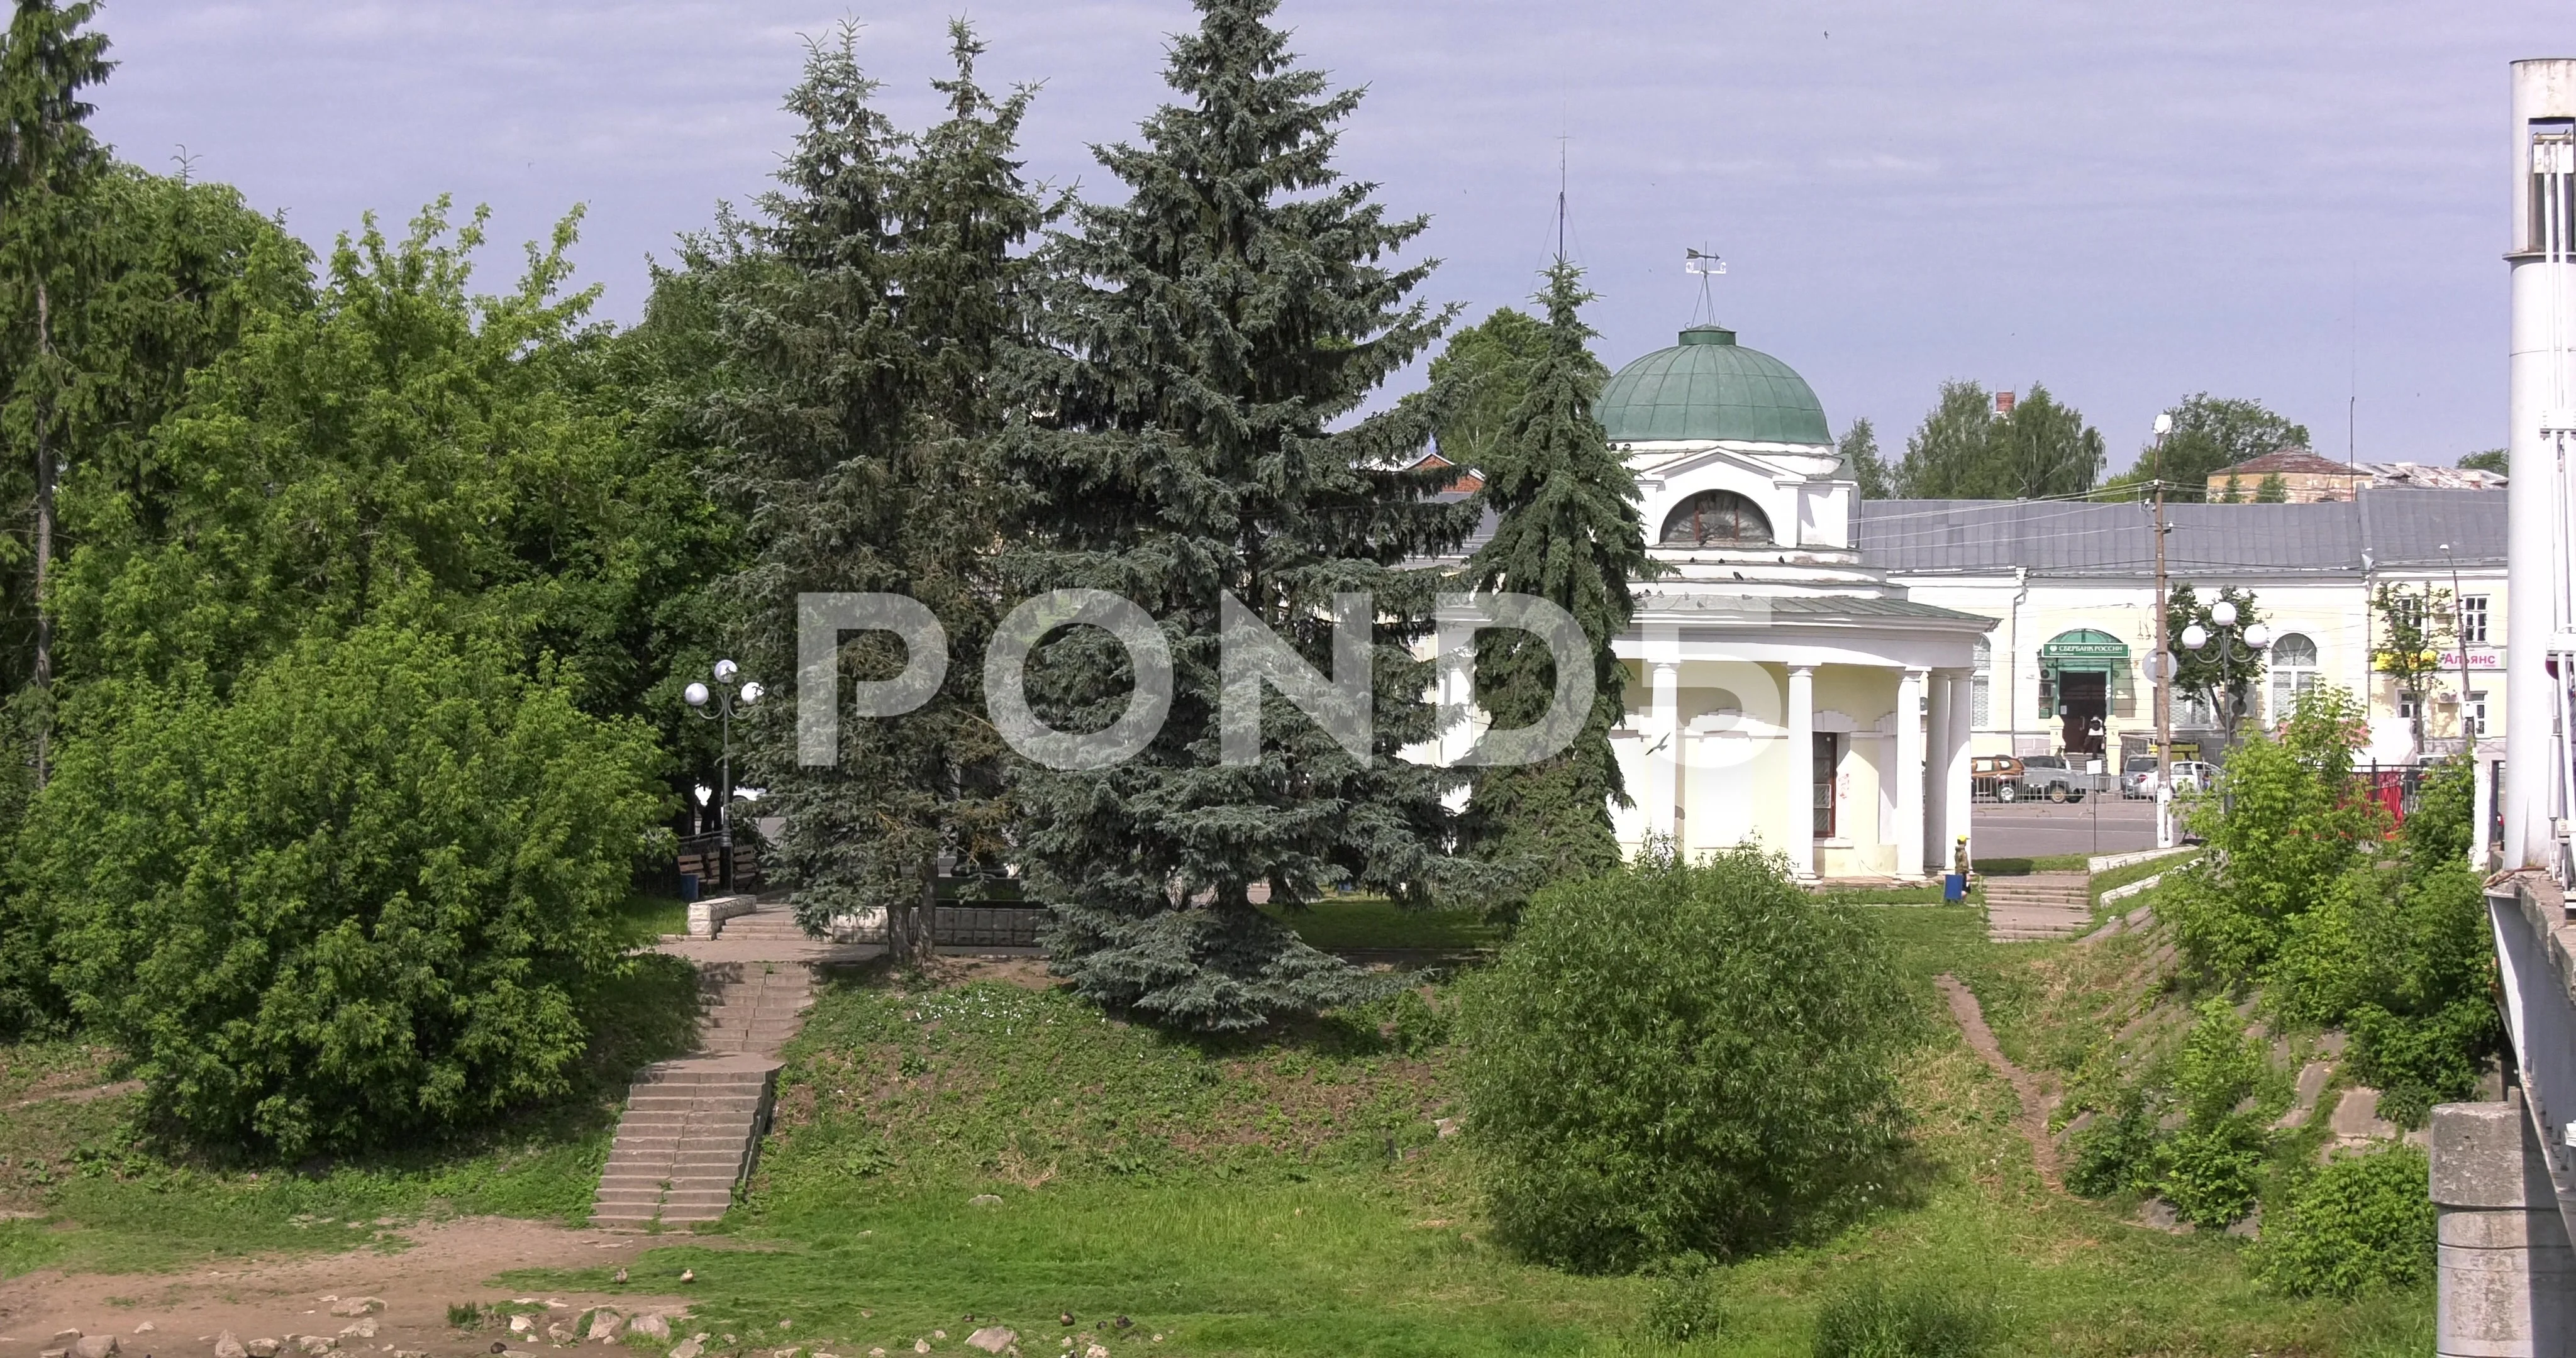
[(1560, 199), (1701, 262)]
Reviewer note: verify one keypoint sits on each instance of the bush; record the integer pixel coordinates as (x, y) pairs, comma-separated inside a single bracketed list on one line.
[(363, 899), (1872, 1320), (1681, 1057), (2286, 831), (2355, 1224), (2120, 1152), (2400, 956), (1686, 1307), (2211, 1170)]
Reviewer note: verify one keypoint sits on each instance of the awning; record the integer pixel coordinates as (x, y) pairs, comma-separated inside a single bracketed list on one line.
[(2085, 650)]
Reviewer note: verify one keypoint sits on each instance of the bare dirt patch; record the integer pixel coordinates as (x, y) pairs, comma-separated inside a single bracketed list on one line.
[(449, 1261), (2032, 1118)]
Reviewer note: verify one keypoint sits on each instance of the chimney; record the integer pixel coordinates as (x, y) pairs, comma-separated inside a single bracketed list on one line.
[(2003, 404)]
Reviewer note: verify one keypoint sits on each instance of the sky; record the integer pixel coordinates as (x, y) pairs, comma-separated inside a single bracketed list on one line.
[(2300, 202)]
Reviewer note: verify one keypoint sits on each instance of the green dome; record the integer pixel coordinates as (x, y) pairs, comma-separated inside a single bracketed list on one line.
[(1710, 387)]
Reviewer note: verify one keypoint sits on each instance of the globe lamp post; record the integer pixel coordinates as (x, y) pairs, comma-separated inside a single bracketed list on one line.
[(2234, 644), (725, 695)]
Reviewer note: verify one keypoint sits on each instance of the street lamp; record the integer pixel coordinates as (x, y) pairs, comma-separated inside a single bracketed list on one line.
[(725, 695), (2460, 638), (2252, 640)]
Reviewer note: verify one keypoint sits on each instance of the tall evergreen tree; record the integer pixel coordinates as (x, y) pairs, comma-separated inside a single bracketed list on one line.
[(1206, 335), (48, 160), (1567, 531), (863, 330)]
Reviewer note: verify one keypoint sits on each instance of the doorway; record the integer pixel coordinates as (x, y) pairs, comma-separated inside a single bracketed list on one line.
[(2084, 704)]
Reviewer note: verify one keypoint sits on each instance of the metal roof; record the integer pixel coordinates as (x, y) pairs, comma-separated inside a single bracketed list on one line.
[(2382, 528), (1710, 387)]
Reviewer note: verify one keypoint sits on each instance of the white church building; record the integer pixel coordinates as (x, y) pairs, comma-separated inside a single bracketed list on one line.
[(1781, 691)]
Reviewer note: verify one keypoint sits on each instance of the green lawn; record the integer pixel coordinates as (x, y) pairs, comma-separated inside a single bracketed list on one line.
[(1279, 1196), (1345, 923), (1292, 1197), (118, 1199)]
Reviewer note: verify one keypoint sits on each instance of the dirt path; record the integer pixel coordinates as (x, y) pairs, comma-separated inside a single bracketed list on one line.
[(451, 1261), (2033, 1117)]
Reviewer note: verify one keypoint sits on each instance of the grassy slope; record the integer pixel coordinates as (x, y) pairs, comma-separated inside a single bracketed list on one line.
[(117, 1199), (1240, 1199)]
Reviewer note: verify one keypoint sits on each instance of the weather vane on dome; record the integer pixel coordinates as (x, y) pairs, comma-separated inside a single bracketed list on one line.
[(1707, 266)]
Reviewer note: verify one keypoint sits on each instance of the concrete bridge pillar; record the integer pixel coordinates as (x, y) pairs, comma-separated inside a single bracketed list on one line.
[(2506, 1278)]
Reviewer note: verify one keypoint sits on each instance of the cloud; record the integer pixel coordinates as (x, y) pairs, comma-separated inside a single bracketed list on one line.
[(2129, 202)]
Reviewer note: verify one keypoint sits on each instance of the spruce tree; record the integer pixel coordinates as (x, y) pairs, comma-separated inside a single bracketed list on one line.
[(48, 161), (863, 323), (1567, 531), (1205, 337)]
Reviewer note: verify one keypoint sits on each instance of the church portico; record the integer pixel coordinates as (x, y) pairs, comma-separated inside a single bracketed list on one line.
[(1781, 693)]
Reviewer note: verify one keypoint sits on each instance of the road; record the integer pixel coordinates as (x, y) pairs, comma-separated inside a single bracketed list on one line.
[(2032, 829)]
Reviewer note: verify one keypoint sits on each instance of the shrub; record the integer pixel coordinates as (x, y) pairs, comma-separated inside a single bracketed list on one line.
[(2353, 1225), (2400, 956), (2287, 828), (2211, 1170), (2120, 1152), (1873, 1320), (1685, 1306), (364, 898), (1681, 1057)]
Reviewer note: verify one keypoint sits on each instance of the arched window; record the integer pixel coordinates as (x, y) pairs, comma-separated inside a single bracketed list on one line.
[(2294, 671), (1717, 518)]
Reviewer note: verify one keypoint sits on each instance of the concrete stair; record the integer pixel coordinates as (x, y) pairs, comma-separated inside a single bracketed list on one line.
[(768, 923), (2040, 906), (692, 1128), (752, 1008)]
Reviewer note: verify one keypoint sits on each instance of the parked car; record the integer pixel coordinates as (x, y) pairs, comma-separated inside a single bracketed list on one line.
[(2192, 775), (2048, 775), (1994, 777), (2137, 777)]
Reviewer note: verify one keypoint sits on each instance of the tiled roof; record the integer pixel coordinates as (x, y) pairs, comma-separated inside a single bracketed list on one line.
[(2290, 462)]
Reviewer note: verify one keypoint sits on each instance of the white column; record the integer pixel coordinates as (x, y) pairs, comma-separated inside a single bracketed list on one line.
[(1663, 748), (2544, 294), (1908, 772), (1953, 778), (1802, 770)]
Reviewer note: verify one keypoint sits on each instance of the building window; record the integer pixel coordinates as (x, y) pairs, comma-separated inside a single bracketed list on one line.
[(1828, 755), (1717, 518), (2473, 620), (2409, 705), (2477, 713), (1978, 716), (2294, 671)]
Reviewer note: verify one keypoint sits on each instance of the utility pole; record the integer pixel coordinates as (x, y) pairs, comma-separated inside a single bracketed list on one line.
[(2162, 658)]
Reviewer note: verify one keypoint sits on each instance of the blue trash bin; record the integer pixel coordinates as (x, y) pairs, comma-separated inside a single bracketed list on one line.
[(1954, 886), (688, 886)]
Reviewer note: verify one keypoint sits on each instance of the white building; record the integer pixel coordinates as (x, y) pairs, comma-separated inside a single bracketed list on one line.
[(2071, 588), (1783, 691)]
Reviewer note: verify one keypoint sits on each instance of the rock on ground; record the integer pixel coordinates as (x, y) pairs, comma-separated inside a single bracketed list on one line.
[(357, 1306), (94, 1346), (652, 1325), (226, 1346), (605, 1326), (992, 1339)]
